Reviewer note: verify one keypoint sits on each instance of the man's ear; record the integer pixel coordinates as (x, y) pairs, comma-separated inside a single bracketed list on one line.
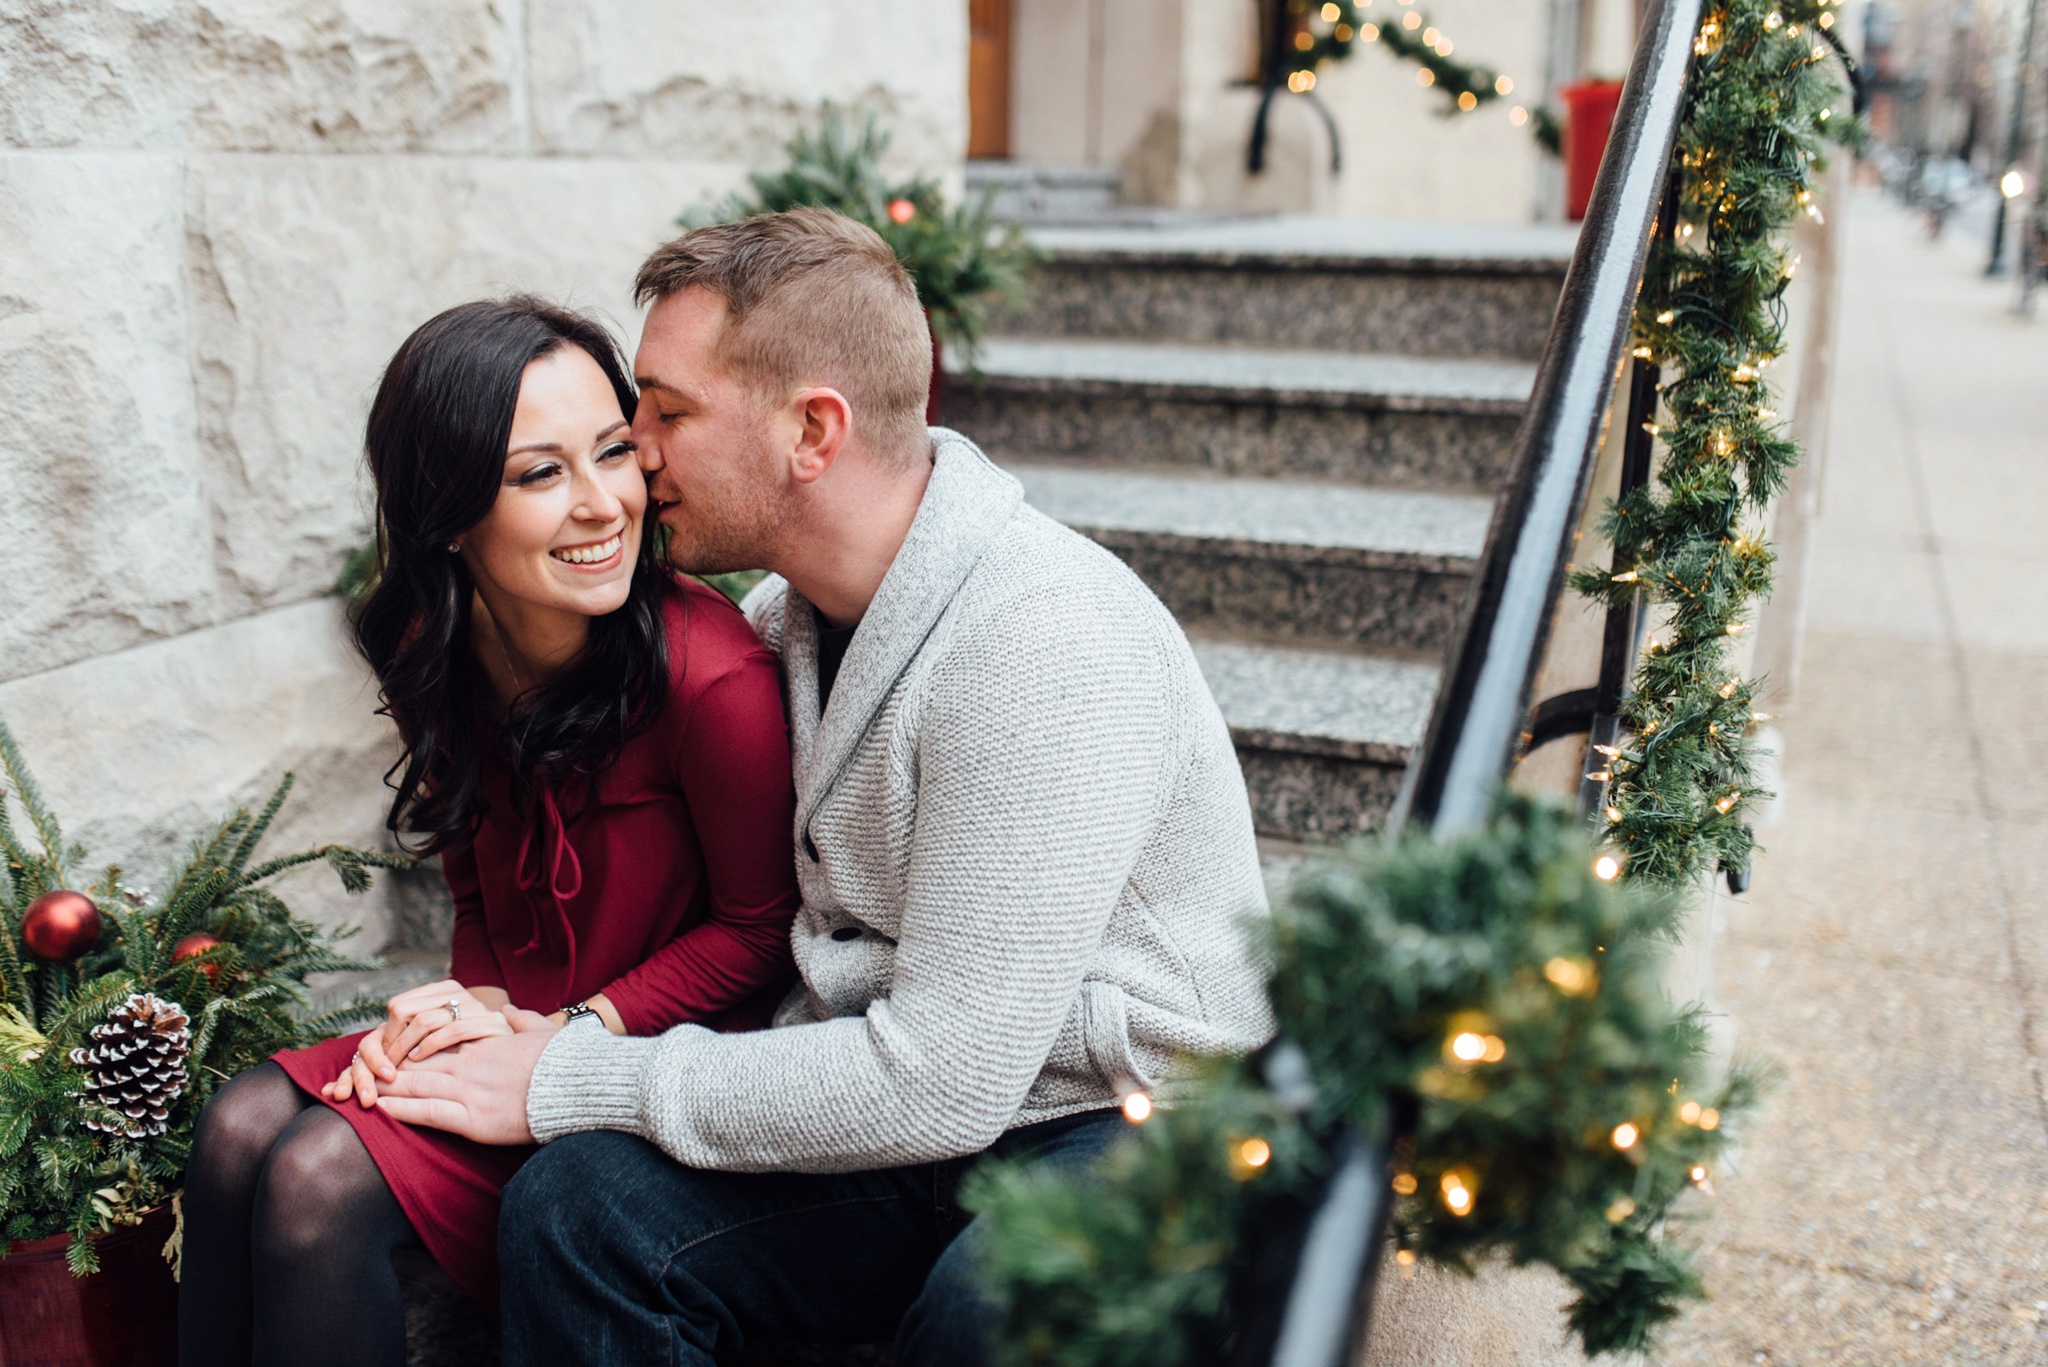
[(825, 422)]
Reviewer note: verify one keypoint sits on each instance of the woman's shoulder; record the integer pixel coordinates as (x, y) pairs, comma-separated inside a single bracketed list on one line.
[(708, 638)]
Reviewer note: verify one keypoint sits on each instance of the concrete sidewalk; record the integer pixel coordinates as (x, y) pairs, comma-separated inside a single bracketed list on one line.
[(1892, 959)]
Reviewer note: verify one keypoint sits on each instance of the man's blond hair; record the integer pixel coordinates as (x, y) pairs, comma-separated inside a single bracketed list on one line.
[(812, 298)]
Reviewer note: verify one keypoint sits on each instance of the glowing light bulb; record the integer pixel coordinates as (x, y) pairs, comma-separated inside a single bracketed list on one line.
[(1573, 977), (1137, 1107), (1626, 577), (1411, 20), (1727, 804), (1710, 1119), (1667, 316), (1690, 1112), (1304, 40), (1458, 1194), (2012, 184), (1496, 1050), (1699, 1173), (1443, 47), (1467, 101), (1607, 868), (1601, 775), (1518, 116), (1622, 1208), (1255, 1153), (1826, 21), (1404, 1183), (1613, 815), (1424, 76), (1405, 1257), (1625, 1135), (1343, 32), (1503, 86), (1468, 1047), (1735, 628), (1744, 374), (1728, 689), (1774, 21), (1430, 36), (1369, 32), (1331, 14), (1642, 353)]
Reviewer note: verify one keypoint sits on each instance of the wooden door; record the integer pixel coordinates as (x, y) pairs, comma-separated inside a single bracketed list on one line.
[(988, 78)]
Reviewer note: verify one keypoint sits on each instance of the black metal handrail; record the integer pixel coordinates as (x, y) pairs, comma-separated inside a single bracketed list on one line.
[(1482, 709)]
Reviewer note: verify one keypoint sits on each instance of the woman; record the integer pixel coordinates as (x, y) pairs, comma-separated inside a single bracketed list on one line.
[(598, 753)]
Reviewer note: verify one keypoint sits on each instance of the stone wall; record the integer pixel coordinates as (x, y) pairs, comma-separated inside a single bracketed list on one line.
[(216, 222)]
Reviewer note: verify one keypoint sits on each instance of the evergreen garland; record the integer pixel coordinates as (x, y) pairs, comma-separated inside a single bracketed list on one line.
[(1492, 1000), (1712, 315), (1464, 86), (242, 985)]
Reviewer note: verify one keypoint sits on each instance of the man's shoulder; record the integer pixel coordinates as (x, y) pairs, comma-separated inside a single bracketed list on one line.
[(1062, 574)]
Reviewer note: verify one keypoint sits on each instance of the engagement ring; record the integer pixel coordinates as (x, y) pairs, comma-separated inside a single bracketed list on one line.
[(455, 1008)]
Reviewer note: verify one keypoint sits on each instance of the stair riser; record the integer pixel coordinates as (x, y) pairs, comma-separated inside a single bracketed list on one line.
[(1316, 798), (1226, 588), (1401, 450), (1420, 313)]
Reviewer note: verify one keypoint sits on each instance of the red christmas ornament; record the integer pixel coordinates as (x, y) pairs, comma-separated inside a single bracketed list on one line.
[(193, 945), (61, 926), (901, 211)]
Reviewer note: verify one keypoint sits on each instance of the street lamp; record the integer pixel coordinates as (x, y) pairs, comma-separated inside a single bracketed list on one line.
[(2013, 183)]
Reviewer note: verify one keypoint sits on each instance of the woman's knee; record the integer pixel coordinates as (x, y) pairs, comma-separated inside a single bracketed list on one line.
[(243, 1121), (319, 1178)]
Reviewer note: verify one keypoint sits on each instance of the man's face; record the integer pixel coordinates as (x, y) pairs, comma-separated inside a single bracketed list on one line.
[(709, 443)]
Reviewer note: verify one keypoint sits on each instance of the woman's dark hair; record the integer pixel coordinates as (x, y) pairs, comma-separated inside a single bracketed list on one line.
[(436, 442)]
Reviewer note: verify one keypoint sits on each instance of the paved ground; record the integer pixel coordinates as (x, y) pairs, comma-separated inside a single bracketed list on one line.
[(1893, 956)]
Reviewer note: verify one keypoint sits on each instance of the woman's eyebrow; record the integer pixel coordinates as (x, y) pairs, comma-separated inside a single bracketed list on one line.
[(555, 447)]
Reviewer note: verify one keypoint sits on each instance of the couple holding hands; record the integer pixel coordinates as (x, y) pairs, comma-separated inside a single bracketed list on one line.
[(769, 925)]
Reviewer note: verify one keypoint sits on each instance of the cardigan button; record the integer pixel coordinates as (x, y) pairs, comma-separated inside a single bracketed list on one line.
[(846, 933), (810, 847)]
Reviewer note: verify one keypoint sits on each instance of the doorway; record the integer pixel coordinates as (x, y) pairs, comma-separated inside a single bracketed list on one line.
[(988, 79)]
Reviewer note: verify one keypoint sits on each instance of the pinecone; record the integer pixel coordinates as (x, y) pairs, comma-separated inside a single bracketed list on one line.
[(136, 1065)]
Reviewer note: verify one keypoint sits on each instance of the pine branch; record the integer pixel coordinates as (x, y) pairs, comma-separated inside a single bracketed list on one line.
[(240, 858), (30, 796)]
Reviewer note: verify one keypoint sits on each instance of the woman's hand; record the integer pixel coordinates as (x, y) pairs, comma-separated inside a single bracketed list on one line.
[(418, 1024)]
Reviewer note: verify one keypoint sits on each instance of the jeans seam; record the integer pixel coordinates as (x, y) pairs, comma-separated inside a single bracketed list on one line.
[(737, 1225)]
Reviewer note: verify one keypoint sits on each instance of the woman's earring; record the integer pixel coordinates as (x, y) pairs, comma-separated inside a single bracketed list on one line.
[(454, 547)]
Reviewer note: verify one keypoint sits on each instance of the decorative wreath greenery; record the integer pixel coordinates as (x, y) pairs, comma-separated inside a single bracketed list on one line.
[(963, 262), (219, 947)]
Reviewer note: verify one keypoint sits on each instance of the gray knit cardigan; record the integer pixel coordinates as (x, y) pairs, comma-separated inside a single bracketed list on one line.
[(1026, 857)]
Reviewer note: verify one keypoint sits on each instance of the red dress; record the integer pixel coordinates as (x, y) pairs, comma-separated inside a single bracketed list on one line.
[(671, 892)]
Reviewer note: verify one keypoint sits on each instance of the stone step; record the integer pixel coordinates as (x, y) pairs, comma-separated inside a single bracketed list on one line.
[(1399, 421), (1323, 735), (1031, 192), (1304, 562), (1438, 289)]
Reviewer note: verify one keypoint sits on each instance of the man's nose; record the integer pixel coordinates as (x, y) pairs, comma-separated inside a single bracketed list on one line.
[(646, 442)]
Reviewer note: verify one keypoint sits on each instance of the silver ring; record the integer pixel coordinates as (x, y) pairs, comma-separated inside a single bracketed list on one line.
[(454, 1009)]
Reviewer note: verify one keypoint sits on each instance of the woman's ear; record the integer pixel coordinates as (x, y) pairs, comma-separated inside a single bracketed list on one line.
[(826, 421)]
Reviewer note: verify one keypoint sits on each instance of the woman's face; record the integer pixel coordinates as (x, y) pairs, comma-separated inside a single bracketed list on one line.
[(565, 531)]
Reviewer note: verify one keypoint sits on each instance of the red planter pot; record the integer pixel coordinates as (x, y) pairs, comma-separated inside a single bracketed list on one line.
[(1588, 116), (124, 1315)]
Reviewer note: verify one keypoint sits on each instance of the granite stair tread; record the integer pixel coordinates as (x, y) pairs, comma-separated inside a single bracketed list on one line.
[(1321, 242), (1349, 705), (1465, 384), (1442, 530)]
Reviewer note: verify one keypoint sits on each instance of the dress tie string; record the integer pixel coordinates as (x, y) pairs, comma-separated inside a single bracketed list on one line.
[(551, 861)]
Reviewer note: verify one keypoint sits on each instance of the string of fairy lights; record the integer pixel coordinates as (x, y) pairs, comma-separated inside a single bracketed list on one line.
[(1331, 31)]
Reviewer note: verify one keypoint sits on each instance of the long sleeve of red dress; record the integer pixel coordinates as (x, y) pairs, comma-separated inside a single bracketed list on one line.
[(732, 761)]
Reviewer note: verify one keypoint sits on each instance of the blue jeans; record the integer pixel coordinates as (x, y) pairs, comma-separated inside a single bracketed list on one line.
[(612, 1252)]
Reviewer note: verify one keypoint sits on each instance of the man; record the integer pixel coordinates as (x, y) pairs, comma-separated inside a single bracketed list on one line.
[(1023, 841)]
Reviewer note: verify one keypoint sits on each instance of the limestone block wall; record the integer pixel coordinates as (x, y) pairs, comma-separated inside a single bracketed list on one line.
[(217, 220)]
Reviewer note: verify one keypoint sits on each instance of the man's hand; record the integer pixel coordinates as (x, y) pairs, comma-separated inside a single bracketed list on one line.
[(477, 1090)]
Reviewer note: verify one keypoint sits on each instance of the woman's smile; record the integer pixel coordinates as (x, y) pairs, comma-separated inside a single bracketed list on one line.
[(593, 555)]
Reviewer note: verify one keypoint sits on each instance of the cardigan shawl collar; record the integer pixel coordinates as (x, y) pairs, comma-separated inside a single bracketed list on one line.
[(966, 506)]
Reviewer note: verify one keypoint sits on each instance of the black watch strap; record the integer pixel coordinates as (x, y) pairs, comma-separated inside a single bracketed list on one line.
[(577, 1012)]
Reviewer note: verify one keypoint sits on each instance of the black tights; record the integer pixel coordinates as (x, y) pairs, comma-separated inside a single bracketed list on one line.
[(289, 1230)]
